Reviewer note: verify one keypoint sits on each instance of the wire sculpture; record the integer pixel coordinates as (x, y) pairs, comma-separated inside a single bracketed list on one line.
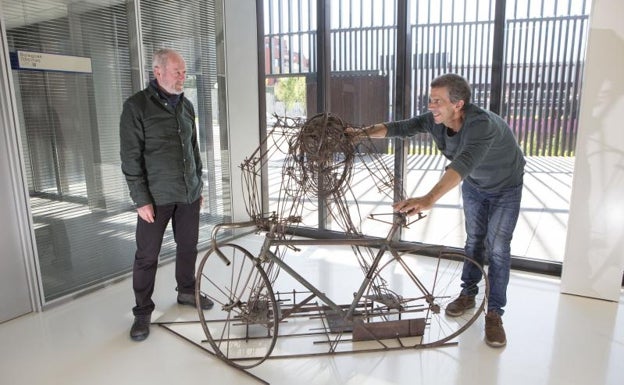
[(399, 303), (317, 158)]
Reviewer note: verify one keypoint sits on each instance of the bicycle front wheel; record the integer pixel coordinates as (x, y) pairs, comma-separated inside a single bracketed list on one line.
[(408, 296), (242, 327)]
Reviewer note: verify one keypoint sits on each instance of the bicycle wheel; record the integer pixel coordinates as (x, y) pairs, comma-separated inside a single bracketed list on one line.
[(408, 296), (242, 326)]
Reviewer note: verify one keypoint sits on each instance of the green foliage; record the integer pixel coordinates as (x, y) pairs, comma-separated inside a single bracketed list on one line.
[(291, 90)]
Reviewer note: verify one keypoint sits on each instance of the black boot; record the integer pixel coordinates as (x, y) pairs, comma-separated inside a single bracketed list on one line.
[(140, 327), (189, 299)]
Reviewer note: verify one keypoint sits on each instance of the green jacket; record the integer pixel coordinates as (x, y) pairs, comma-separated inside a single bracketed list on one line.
[(159, 150)]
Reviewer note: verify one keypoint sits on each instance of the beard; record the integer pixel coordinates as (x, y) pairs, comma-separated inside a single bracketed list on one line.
[(175, 88)]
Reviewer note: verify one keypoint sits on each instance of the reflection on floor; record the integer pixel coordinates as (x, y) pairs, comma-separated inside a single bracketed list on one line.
[(554, 339)]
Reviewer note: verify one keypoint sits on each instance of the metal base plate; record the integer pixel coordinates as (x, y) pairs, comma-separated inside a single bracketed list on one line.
[(388, 329)]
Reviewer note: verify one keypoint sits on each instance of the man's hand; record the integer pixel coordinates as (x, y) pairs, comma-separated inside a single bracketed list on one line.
[(413, 206), (354, 133), (147, 213)]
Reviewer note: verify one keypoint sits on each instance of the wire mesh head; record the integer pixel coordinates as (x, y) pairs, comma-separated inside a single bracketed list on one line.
[(314, 162), (323, 155)]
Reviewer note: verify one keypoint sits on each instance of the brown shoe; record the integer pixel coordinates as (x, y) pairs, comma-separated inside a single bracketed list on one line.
[(494, 332), (460, 305)]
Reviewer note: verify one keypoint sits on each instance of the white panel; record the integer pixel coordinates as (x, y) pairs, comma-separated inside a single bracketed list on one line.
[(14, 292), (15, 299), (45, 61), (241, 60), (594, 257)]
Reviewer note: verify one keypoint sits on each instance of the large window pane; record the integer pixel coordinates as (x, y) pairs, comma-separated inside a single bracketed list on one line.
[(194, 28), (540, 50), (362, 84), (546, 44), (447, 36), (290, 82), (83, 218), (545, 53), (69, 128)]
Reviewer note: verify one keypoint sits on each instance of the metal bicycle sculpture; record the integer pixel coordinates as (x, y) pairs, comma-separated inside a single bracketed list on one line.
[(398, 304)]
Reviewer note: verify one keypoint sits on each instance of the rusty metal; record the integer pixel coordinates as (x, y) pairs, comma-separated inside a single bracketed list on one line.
[(399, 302), (388, 329)]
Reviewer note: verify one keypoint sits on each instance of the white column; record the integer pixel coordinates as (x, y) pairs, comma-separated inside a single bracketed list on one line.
[(594, 257), (241, 61)]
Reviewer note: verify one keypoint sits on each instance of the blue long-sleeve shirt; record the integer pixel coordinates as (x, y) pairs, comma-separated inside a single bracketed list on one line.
[(484, 151)]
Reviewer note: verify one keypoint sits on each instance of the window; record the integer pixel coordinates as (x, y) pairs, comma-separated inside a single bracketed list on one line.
[(383, 55), (82, 216)]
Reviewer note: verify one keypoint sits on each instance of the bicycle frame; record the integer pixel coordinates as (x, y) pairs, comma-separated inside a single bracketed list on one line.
[(399, 303)]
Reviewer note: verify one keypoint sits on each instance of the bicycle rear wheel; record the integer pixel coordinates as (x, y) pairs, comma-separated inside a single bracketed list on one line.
[(412, 292), (243, 325)]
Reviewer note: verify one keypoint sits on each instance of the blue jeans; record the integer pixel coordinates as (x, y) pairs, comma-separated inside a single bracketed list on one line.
[(490, 221)]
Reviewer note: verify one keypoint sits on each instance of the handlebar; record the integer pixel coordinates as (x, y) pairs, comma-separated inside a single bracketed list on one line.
[(218, 227), (400, 219)]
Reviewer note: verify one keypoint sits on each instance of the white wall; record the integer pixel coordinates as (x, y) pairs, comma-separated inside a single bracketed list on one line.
[(594, 256), (242, 91)]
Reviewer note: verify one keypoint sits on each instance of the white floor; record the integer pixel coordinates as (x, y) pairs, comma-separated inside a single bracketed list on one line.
[(552, 339)]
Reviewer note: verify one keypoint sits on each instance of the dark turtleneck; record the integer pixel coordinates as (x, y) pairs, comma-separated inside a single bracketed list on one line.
[(172, 99)]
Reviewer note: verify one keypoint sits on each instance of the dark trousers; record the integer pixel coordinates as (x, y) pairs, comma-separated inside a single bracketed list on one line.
[(149, 236)]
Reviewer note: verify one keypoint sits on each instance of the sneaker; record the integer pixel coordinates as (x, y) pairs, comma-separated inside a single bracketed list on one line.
[(140, 328), (460, 305), (494, 332), (189, 299)]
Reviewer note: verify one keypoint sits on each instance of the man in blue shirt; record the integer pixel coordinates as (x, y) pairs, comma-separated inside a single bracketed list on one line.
[(484, 154)]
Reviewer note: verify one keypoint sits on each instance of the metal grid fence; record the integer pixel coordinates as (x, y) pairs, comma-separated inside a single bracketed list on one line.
[(542, 62)]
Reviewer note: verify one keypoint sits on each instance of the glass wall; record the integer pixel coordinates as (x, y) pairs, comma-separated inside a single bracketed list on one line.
[(290, 67), (447, 36), (523, 58), (88, 58), (362, 37), (362, 86)]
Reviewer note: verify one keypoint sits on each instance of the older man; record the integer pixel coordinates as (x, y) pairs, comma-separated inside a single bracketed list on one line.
[(161, 162)]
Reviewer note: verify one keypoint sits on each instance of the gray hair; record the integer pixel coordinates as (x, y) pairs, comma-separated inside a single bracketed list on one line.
[(457, 86), (161, 57)]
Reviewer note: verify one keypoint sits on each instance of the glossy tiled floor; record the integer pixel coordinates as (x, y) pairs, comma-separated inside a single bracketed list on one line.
[(554, 339)]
